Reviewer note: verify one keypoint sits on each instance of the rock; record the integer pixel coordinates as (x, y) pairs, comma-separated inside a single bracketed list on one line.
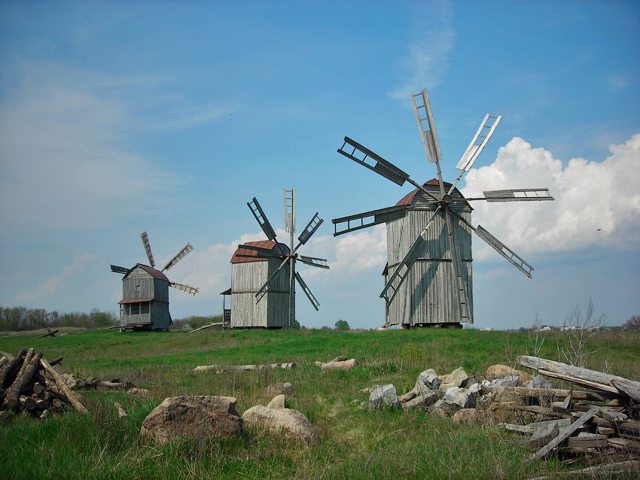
[(539, 382), (279, 388), (410, 395), (484, 401), (277, 402), (453, 379), (192, 416), (286, 420), (461, 397), (467, 416), (139, 392), (499, 371), (383, 396), (339, 365), (427, 382), (5, 416), (422, 401), (443, 409)]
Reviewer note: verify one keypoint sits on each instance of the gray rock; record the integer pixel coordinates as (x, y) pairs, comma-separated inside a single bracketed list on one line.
[(461, 397), (427, 381), (279, 388), (192, 416), (279, 420), (422, 401), (455, 378), (383, 396)]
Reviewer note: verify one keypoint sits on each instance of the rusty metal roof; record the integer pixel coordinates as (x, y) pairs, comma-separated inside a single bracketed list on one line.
[(268, 244)]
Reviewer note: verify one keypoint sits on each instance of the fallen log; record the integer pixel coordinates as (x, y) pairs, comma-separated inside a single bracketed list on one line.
[(244, 368), (10, 370), (215, 324), (597, 471), (50, 333), (583, 376), (62, 387), (339, 364), (550, 393)]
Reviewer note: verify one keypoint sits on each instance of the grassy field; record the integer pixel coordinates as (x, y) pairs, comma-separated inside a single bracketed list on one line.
[(351, 443)]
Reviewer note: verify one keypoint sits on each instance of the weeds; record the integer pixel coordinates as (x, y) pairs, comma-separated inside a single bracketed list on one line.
[(579, 328)]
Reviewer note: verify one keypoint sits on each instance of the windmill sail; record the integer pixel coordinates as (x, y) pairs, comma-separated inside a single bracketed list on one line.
[(518, 195), (147, 249), (367, 219), (314, 261), (310, 229), (307, 291), (261, 218), (118, 269), (361, 154), (178, 256), (185, 288), (426, 125)]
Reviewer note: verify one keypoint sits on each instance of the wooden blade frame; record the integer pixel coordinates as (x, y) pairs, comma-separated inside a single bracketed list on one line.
[(361, 154), (178, 256), (426, 125), (185, 288), (119, 269), (314, 261), (265, 288), (310, 229), (518, 195), (367, 219), (307, 291), (511, 256), (261, 218), (147, 249)]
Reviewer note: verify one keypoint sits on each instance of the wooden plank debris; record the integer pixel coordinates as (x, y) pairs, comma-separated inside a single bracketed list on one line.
[(244, 368)]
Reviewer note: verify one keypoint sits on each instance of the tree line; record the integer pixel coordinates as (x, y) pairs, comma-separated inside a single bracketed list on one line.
[(22, 318)]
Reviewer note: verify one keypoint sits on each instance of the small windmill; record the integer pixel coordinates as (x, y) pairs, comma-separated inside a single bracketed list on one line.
[(268, 269), (145, 291), (428, 277)]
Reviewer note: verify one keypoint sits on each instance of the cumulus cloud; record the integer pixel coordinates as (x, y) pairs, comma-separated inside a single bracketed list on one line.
[(596, 203), (427, 57)]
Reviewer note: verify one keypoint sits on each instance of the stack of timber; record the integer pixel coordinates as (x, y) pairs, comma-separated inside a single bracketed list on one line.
[(596, 418), (29, 384)]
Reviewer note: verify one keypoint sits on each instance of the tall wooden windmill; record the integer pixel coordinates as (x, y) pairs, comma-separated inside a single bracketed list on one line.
[(145, 291), (264, 273), (428, 277)]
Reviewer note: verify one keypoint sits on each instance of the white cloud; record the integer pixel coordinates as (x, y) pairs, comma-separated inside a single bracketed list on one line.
[(428, 53), (596, 203), (46, 290)]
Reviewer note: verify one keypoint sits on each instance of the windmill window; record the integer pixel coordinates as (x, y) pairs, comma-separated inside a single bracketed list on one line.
[(138, 290), (144, 308)]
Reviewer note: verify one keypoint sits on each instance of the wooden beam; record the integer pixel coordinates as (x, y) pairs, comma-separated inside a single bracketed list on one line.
[(564, 434), (62, 387)]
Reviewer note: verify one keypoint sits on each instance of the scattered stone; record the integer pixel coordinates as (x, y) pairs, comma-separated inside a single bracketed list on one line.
[(192, 416), (286, 420), (383, 396), (277, 402), (467, 416), (139, 392), (461, 397), (453, 379), (279, 388), (499, 371)]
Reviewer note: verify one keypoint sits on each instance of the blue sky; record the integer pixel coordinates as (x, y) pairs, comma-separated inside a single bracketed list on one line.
[(119, 117)]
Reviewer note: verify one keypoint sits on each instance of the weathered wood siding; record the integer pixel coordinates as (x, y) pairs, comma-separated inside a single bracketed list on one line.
[(427, 294), (139, 284), (272, 309)]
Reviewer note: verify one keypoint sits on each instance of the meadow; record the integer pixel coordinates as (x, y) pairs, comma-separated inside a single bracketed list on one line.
[(351, 443)]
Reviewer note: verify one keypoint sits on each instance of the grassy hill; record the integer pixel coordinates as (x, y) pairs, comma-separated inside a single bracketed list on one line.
[(351, 443)]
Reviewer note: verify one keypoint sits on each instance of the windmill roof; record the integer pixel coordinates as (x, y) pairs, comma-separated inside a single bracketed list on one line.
[(151, 271), (268, 244), (135, 300), (432, 184)]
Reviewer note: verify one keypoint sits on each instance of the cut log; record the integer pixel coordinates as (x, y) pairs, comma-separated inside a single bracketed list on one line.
[(339, 364), (544, 451), (215, 324), (29, 367), (56, 361), (583, 376), (11, 369), (62, 387), (243, 368)]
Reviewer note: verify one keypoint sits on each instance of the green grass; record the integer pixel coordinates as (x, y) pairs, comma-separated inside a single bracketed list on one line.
[(350, 443)]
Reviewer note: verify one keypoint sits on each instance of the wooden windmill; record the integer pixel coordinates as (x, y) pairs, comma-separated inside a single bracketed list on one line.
[(145, 291), (428, 277), (264, 273)]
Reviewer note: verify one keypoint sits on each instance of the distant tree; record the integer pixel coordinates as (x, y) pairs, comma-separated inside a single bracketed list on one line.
[(342, 325), (633, 324)]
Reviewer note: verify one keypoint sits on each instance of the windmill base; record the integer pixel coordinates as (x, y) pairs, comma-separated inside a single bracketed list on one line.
[(145, 327), (456, 325)]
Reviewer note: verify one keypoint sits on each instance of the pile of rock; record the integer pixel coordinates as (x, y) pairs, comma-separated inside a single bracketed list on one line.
[(29, 384), (216, 417)]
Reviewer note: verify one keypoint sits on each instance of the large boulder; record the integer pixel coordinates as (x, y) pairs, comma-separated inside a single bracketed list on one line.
[(462, 397), (278, 401), (383, 396), (192, 416), (499, 371), (284, 420)]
